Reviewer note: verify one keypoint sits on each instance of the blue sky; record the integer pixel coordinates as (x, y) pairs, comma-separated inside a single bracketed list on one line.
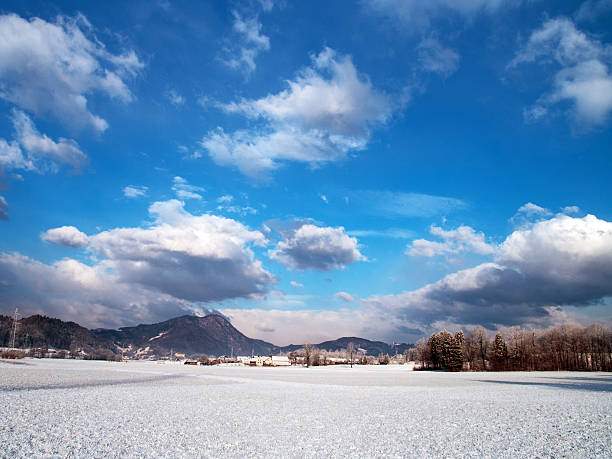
[(310, 169)]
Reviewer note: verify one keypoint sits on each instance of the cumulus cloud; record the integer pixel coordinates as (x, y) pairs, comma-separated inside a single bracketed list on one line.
[(135, 191), (417, 15), (319, 248), (177, 263), (51, 68), (562, 261), (184, 190), (462, 239), (582, 75), (68, 236), (327, 111), (251, 43), (41, 148), (436, 58), (195, 258), (3, 209)]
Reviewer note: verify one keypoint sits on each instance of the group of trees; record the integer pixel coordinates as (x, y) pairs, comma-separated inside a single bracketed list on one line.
[(312, 356), (569, 347)]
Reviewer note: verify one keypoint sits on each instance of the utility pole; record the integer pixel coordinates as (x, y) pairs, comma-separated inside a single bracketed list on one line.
[(15, 318)]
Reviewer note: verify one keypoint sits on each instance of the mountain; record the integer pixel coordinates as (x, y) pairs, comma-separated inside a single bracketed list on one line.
[(190, 335), (374, 348), (40, 331)]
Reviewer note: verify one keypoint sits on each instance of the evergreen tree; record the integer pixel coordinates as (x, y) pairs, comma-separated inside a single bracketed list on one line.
[(454, 353), (500, 353), (435, 344)]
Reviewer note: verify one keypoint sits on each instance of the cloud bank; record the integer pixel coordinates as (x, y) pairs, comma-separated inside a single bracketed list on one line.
[(178, 263)]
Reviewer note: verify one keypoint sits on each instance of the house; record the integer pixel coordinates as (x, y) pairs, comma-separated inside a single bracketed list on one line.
[(256, 361), (277, 361)]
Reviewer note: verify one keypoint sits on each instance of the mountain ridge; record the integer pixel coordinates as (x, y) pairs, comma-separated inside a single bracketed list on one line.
[(191, 335)]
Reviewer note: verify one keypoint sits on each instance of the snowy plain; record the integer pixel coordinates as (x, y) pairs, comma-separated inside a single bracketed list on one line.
[(60, 408)]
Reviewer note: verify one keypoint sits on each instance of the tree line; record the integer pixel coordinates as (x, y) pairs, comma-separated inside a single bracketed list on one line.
[(568, 347)]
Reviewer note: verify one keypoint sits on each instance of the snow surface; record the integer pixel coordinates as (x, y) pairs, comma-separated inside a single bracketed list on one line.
[(136, 409)]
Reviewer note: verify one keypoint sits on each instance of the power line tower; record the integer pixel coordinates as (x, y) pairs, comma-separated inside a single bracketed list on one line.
[(15, 320)]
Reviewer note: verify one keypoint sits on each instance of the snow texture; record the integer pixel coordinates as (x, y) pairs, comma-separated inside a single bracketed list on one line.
[(66, 408)]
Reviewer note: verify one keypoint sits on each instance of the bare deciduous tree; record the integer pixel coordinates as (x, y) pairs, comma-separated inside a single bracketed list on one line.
[(308, 348), (350, 351)]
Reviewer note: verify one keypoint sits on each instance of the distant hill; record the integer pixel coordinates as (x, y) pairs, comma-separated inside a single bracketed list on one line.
[(374, 348), (191, 335), (41, 331)]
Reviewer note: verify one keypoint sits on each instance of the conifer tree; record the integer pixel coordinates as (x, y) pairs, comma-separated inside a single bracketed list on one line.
[(500, 353)]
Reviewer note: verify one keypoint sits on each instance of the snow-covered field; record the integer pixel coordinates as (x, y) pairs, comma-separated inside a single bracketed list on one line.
[(86, 409)]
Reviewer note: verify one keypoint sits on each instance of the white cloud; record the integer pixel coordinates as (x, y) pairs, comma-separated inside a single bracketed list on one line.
[(393, 204), (184, 190), (51, 68), (319, 248), (462, 239), (135, 191), (529, 213), (41, 148), (327, 111), (324, 198), (296, 284), (174, 264), (591, 10), (583, 74), (3, 209), (241, 210), (68, 236), (251, 43), (225, 198), (417, 15), (11, 157), (266, 5), (436, 58), (390, 233), (571, 209), (174, 97), (344, 296)]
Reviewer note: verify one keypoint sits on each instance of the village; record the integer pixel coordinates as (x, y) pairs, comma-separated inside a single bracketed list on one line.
[(322, 359)]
